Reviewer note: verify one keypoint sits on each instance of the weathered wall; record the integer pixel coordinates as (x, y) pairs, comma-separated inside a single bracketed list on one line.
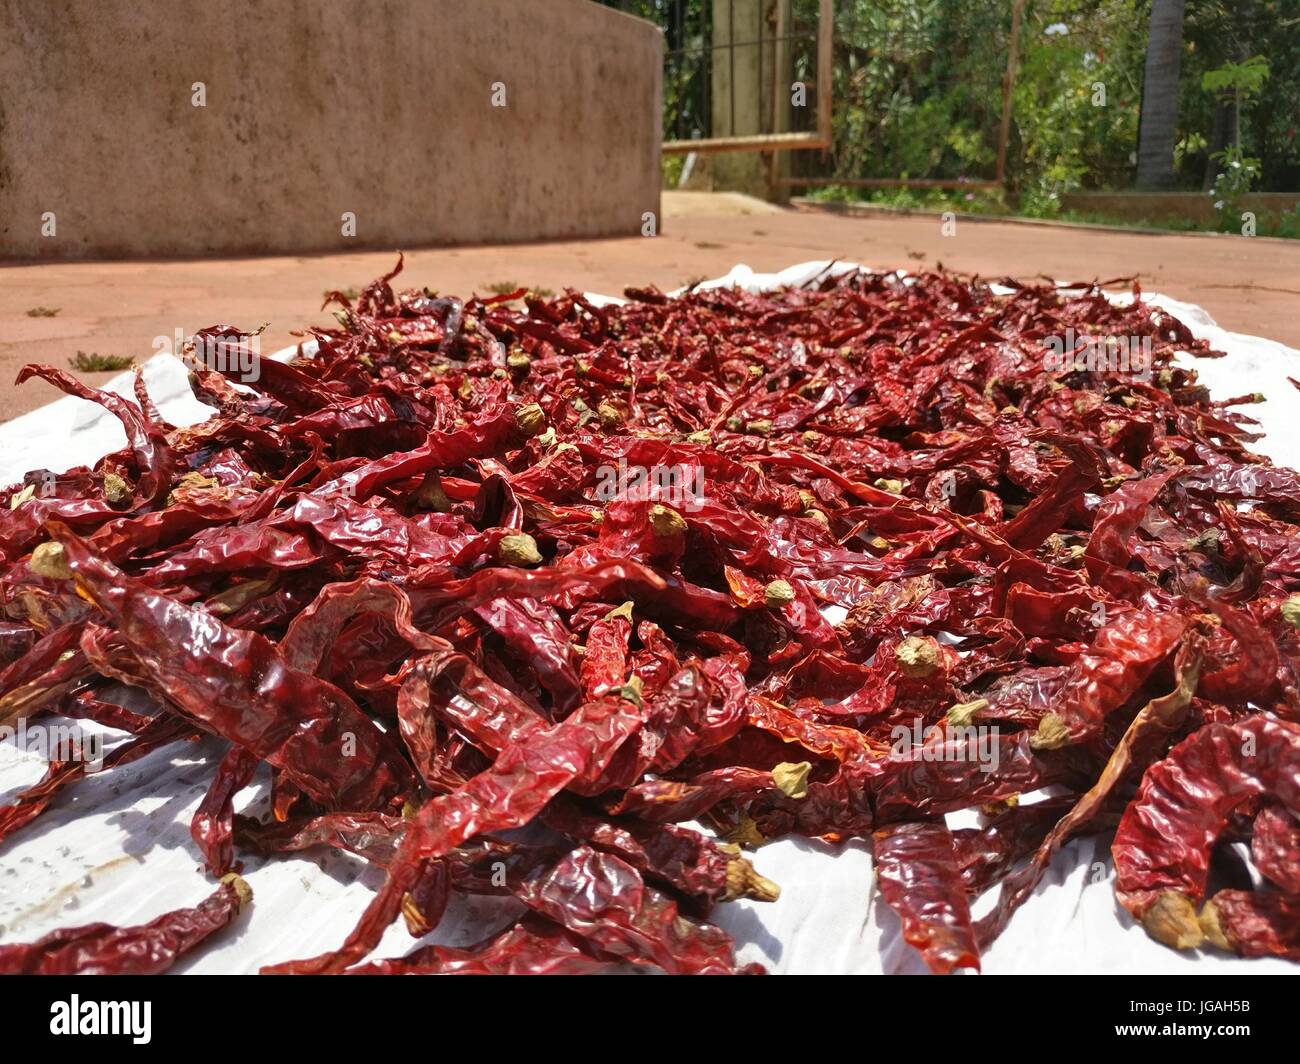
[(1177, 206), (317, 107)]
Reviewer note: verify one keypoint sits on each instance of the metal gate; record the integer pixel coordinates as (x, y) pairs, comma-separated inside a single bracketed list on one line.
[(737, 75)]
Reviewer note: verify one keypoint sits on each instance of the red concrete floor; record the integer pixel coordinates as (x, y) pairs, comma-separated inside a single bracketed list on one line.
[(118, 308)]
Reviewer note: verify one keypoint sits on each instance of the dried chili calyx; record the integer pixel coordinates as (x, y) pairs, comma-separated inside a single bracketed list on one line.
[(778, 593), (519, 549)]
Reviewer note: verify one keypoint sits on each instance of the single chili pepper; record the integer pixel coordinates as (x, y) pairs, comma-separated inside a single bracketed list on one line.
[(1253, 923), (603, 899), (667, 801), (1163, 843), (1124, 654), (374, 836), (684, 859), (919, 877), (84, 705), (150, 949), (533, 946), (1275, 847), (214, 821)]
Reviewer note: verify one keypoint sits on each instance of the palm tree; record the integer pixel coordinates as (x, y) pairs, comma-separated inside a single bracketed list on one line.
[(1159, 129)]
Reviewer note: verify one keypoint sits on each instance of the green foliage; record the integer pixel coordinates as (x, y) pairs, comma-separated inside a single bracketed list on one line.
[(974, 201), (917, 93), (1232, 183), (1288, 225), (915, 84), (1076, 100), (671, 168), (1244, 79), (1238, 172)]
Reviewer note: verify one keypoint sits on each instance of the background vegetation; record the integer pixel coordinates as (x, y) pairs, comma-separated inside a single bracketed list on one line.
[(917, 90)]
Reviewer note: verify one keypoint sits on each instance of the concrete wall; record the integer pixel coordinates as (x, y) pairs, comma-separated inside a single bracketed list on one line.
[(1163, 206), (317, 107)]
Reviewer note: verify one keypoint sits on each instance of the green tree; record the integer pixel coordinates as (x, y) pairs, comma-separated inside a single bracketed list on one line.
[(1159, 128)]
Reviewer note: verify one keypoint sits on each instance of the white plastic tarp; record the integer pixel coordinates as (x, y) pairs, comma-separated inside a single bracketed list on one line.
[(116, 847)]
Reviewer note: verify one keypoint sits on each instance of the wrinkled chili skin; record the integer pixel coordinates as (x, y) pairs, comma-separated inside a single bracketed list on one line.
[(1275, 847), (475, 565), (237, 684), (1164, 840), (213, 827), (150, 949), (531, 947), (515, 789), (1258, 924), (918, 871), (602, 899)]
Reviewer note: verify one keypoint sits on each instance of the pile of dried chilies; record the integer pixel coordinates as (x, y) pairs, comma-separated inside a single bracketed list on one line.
[(607, 571)]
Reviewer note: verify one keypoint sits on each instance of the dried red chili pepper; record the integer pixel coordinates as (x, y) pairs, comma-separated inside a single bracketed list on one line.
[(1162, 846), (919, 877), (602, 899), (213, 827), (1253, 923), (522, 780), (1147, 734), (1275, 846), (549, 563), (533, 946), (150, 949), (237, 684)]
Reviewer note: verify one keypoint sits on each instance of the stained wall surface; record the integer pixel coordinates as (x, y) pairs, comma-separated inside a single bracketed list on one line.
[(388, 110)]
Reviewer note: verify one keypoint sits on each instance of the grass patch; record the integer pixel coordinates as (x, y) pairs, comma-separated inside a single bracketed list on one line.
[(501, 288), (97, 363)]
